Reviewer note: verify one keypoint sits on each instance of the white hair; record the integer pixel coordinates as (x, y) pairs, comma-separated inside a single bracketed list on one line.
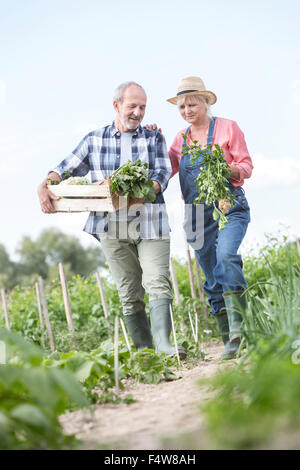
[(195, 99), (120, 90)]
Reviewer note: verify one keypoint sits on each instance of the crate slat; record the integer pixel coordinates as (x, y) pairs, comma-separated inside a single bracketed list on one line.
[(86, 198), (84, 205), (88, 190)]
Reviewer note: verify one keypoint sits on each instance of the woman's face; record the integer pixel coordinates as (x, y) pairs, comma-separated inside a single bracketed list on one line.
[(193, 111)]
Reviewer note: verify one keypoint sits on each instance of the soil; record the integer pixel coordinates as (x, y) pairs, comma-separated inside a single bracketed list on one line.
[(160, 417)]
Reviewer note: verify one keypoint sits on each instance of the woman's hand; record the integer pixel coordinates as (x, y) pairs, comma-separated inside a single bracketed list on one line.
[(235, 172)]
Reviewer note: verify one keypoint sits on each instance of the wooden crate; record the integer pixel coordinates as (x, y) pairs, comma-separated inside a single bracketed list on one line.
[(86, 198)]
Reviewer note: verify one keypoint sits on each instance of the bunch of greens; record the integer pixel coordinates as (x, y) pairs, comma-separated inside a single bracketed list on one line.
[(68, 179), (131, 179), (212, 182)]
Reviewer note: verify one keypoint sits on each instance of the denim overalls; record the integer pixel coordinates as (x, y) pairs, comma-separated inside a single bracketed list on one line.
[(216, 250)]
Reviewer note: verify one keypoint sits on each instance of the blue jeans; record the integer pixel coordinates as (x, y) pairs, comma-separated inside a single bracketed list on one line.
[(217, 252), (218, 258)]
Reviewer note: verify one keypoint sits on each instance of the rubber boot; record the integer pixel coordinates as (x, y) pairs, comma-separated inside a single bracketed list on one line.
[(161, 327), (139, 330), (231, 349), (235, 303)]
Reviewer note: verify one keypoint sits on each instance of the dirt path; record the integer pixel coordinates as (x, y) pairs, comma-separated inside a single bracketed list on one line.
[(167, 409)]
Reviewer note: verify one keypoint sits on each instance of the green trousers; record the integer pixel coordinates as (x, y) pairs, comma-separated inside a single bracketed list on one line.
[(139, 266)]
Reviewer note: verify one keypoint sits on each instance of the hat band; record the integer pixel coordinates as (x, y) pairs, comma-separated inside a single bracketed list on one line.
[(186, 91)]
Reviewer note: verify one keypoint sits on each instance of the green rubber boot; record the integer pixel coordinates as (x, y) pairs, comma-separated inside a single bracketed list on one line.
[(161, 327), (139, 330), (231, 349), (235, 303)]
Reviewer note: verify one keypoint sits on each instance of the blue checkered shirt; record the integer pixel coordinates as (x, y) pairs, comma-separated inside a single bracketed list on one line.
[(99, 155)]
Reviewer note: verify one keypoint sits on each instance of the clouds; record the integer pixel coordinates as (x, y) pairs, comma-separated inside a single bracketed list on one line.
[(273, 172)]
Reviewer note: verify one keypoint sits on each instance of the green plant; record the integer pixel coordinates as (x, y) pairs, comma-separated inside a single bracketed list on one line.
[(261, 396), (131, 179), (32, 397), (212, 181)]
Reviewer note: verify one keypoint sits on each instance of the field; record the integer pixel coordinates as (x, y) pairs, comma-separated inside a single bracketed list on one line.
[(69, 396)]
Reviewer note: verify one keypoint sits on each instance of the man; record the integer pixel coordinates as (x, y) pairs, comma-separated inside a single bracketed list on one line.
[(136, 242)]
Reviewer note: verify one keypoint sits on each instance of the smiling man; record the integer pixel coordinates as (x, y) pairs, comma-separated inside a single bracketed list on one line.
[(135, 242)]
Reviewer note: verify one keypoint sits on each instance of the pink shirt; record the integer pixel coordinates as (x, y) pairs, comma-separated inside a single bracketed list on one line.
[(230, 138)]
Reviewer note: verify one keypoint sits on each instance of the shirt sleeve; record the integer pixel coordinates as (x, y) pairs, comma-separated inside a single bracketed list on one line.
[(239, 152), (77, 163), (175, 153), (162, 167)]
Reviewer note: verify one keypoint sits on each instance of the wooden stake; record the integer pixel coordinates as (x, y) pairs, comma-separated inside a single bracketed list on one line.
[(196, 327), (45, 311), (175, 283), (174, 334), (193, 331), (4, 302), (190, 268), (116, 359), (126, 336), (102, 295), (38, 298), (200, 287), (298, 245), (103, 300), (66, 298)]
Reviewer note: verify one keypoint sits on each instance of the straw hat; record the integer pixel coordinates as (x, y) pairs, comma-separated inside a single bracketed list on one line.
[(193, 86)]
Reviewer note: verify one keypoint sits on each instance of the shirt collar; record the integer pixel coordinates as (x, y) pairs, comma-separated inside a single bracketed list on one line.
[(114, 131)]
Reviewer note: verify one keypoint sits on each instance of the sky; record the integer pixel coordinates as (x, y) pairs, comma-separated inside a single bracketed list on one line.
[(61, 61)]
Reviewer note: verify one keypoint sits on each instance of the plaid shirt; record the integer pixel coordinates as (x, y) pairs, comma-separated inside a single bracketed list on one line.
[(99, 154)]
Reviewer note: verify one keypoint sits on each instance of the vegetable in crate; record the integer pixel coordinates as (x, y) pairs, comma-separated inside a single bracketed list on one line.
[(131, 179), (212, 181)]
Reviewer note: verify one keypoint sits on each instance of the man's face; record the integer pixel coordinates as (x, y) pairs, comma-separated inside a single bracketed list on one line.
[(131, 111)]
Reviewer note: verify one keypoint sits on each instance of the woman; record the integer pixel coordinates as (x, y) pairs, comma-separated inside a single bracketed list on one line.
[(217, 255)]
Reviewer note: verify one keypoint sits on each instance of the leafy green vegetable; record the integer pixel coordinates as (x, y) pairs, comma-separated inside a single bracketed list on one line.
[(32, 396), (131, 179), (212, 182)]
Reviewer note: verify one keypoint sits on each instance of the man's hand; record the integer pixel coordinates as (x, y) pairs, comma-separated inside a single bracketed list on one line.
[(152, 127), (157, 187), (46, 196)]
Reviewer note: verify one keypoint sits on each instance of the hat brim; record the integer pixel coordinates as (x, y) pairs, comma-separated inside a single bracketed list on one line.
[(209, 95)]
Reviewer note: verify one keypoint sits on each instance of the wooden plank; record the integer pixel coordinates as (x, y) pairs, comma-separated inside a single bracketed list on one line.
[(45, 311), (5, 308), (66, 297), (83, 205), (84, 190)]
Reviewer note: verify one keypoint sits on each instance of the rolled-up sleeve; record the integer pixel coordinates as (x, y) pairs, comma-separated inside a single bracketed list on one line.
[(239, 152)]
